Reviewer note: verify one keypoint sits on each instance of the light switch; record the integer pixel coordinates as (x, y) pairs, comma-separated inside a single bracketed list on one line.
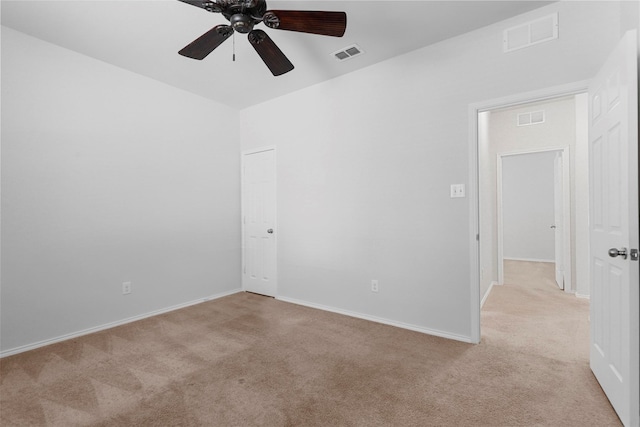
[(457, 190)]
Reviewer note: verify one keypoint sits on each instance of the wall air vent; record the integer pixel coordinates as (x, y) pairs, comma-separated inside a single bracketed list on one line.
[(531, 33), (347, 52), (532, 118)]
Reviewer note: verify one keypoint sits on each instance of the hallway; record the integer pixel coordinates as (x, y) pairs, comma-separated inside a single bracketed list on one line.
[(530, 315)]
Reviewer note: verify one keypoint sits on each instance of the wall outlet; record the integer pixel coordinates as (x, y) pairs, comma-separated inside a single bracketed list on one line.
[(374, 286), (126, 288)]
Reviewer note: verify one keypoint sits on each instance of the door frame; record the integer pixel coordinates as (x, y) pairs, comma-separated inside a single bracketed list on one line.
[(474, 179), (566, 209), (243, 155)]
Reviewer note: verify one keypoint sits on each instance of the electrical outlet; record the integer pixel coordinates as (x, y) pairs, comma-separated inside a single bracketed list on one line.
[(126, 288), (374, 286)]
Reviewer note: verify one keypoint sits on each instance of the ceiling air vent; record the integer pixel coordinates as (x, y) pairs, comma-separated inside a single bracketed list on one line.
[(531, 33), (348, 52)]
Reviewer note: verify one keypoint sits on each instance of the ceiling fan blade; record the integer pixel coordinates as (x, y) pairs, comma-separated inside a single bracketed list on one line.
[(270, 53), (210, 6), (324, 23), (206, 43)]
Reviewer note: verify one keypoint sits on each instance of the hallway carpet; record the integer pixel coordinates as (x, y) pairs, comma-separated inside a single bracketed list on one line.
[(247, 360)]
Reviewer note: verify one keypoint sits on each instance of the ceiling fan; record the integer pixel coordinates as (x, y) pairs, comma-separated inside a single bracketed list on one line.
[(243, 15)]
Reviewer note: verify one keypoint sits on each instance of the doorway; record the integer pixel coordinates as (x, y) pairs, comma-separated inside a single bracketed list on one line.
[(533, 211), (525, 130), (483, 241)]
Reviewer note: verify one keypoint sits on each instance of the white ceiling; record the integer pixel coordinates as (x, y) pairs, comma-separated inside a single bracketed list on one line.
[(144, 36)]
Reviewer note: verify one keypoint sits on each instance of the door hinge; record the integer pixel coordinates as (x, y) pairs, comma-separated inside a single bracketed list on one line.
[(633, 254), (477, 237)]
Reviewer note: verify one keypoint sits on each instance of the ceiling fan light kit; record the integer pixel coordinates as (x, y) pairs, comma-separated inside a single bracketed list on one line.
[(243, 15)]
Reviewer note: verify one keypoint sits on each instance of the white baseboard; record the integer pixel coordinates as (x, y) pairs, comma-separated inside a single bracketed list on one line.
[(583, 296), (378, 320), (528, 259), (486, 294), (65, 337)]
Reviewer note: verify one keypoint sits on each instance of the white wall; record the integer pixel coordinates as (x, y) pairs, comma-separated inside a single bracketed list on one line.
[(107, 177), (365, 162), (528, 206)]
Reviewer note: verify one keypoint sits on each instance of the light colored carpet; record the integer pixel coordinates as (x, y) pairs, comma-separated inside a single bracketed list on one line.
[(246, 360)]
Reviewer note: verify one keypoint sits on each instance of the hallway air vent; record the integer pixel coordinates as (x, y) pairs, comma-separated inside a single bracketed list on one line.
[(532, 118), (348, 52), (531, 33)]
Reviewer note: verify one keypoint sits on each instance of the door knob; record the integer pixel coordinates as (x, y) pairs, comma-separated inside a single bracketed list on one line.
[(553, 226), (270, 231), (613, 252)]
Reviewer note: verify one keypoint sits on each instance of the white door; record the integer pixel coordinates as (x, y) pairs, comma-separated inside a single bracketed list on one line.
[(259, 222), (613, 193), (558, 218)]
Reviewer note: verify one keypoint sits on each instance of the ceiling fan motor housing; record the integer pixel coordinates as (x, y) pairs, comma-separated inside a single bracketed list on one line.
[(242, 23)]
